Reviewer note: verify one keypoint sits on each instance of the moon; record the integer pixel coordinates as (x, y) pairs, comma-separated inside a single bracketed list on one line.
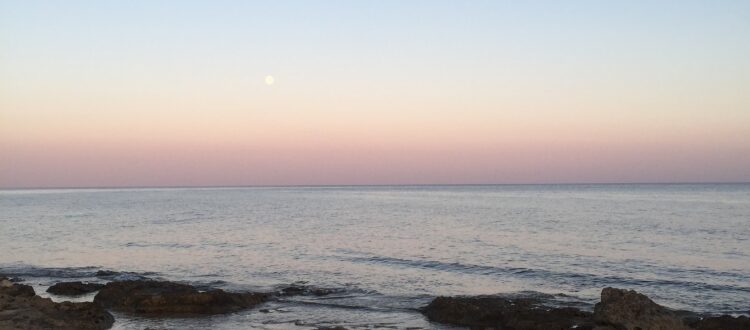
[(269, 80)]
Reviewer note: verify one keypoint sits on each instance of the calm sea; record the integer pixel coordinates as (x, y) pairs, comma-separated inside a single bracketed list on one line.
[(389, 249)]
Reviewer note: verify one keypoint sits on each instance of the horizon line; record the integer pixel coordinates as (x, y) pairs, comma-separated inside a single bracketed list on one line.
[(381, 185)]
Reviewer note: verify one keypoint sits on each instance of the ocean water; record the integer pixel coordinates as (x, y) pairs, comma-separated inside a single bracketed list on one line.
[(388, 250)]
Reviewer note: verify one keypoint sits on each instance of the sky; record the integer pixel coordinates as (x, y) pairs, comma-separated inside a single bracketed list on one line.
[(177, 93)]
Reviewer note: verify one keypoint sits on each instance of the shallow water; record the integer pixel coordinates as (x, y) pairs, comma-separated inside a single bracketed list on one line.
[(391, 248)]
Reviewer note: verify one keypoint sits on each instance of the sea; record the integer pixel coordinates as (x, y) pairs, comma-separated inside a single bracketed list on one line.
[(386, 251)]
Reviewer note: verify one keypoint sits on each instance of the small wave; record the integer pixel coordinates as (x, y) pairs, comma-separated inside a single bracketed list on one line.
[(164, 245), (578, 280), (32, 271), (26, 271)]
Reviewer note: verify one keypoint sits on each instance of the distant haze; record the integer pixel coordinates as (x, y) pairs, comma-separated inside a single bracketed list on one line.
[(168, 93)]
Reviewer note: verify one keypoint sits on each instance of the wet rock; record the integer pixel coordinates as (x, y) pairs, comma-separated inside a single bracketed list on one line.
[(20, 308), (11, 278), (292, 291), (11, 289), (162, 298), (627, 309), (723, 322), (300, 290), (504, 313), (74, 288), (120, 276), (105, 273)]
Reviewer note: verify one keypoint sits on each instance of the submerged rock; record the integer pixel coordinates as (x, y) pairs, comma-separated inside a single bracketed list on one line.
[(105, 273), (162, 298), (74, 288), (627, 309), (504, 313), (121, 276), (299, 290), (20, 308)]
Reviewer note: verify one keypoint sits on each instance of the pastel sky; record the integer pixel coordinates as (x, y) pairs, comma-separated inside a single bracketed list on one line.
[(173, 93)]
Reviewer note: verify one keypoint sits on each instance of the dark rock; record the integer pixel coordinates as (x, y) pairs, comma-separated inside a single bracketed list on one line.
[(689, 318), (21, 310), (74, 288), (723, 322), (163, 298), (15, 290), (12, 278), (504, 313), (105, 273), (121, 276), (292, 291), (627, 309), (321, 291), (300, 290)]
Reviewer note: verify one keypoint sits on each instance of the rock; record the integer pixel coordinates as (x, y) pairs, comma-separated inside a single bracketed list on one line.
[(627, 309), (20, 308), (119, 276), (164, 298), (12, 279), (504, 313), (723, 322), (293, 290), (105, 273), (74, 288), (299, 290), (11, 289)]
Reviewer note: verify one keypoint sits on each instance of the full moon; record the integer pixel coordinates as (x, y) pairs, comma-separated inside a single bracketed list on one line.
[(269, 80)]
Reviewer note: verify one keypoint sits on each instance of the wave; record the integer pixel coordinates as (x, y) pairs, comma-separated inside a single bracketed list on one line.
[(26, 271), (579, 280)]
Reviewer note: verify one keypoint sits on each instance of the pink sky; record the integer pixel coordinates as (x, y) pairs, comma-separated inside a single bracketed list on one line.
[(62, 165), (149, 94)]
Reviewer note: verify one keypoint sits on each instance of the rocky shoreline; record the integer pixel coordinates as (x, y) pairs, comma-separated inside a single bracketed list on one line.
[(618, 309), (22, 308)]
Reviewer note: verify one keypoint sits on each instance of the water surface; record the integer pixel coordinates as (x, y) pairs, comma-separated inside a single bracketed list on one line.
[(389, 249)]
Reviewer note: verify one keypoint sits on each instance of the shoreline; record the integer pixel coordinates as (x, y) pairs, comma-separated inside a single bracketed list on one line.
[(133, 295)]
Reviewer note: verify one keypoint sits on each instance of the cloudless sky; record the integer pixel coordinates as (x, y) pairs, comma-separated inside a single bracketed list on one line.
[(163, 93)]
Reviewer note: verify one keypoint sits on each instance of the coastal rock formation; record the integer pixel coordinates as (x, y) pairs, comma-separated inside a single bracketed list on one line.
[(502, 313), (74, 288), (8, 288), (20, 308), (724, 322), (618, 310), (627, 309), (162, 298)]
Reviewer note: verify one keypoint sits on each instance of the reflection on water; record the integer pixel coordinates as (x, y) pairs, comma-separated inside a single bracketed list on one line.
[(391, 248)]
